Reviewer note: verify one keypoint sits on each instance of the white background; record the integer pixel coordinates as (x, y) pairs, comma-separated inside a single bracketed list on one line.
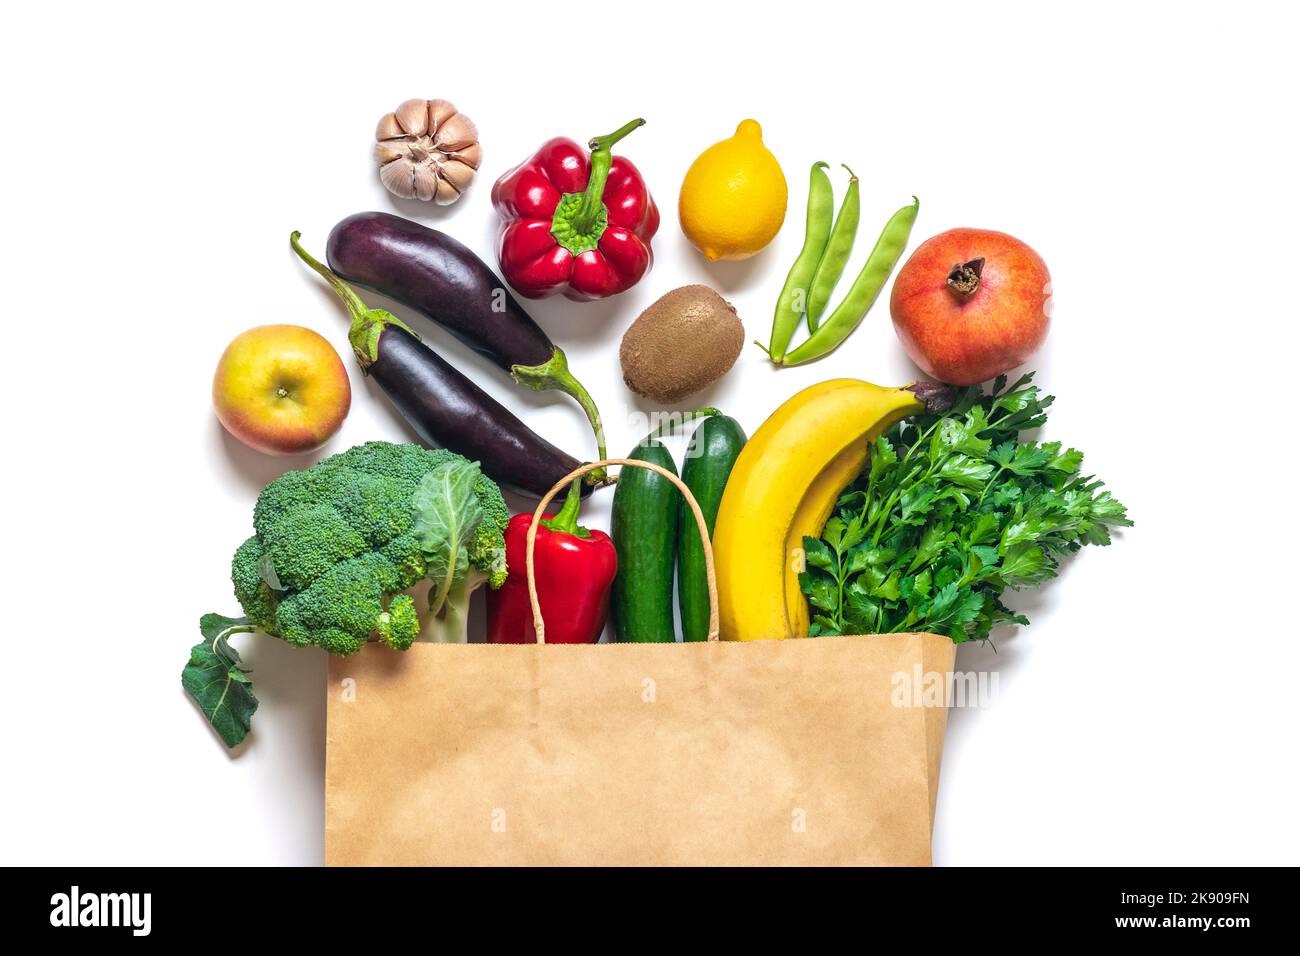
[(156, 159)]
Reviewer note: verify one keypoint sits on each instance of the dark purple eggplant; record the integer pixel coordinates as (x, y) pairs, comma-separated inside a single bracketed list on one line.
[(443, 406), (434, 274)]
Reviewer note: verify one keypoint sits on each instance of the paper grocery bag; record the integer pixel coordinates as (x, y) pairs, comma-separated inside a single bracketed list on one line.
[(816, 751), (764, 752)]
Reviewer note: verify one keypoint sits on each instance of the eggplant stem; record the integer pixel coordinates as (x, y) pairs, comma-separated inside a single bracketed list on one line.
[(555, 374), (354, 303), (367, 323)]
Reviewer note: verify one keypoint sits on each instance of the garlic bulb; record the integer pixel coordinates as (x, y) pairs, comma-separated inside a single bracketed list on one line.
[(427, 150)]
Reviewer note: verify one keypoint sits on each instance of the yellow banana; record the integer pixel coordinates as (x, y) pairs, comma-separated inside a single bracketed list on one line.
[(783, 486), (817, 505)]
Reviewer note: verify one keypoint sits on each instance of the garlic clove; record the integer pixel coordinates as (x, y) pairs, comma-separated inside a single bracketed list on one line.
[(439, 112), (457, 132), (413, 115), (399, 178), (446, 194), (471, 155), (389, 128), (389, 150), (426, 181), (458, 174)]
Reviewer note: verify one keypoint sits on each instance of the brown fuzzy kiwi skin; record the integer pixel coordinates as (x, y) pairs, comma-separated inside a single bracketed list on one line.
[(683, 342)]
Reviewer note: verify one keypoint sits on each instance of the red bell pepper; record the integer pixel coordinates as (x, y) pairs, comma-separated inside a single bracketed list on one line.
[(575, 224), (574, 569)]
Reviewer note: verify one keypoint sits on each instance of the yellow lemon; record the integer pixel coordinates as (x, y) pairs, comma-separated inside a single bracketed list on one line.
[(733, 198)]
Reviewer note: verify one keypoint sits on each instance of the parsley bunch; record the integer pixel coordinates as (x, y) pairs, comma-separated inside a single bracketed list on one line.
[(952, 510)]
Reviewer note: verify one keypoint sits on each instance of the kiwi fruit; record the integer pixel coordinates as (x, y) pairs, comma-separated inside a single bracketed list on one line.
[(683, 342)]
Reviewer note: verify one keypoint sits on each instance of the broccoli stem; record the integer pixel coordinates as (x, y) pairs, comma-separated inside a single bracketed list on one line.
[(221, 644), (450, 625)]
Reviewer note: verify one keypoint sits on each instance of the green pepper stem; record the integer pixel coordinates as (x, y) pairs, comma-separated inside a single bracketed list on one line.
[(601, 156), (566, 522)]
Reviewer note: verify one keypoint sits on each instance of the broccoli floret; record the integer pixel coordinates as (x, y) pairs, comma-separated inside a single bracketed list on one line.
[(338, 543), (486, 537), (309, 540), (251, 590), (399, 626)]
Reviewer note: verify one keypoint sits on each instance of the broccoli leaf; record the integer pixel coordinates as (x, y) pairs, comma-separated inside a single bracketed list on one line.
[(447, 510), (217, 681)]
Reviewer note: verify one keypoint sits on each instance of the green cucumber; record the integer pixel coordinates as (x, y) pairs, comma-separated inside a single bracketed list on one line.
[(643, 525), (709, 458)]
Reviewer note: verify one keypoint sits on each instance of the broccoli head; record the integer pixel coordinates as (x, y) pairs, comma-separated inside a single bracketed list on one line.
[(337, 546)]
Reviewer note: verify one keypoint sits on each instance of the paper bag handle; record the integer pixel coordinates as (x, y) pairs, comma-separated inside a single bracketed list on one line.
[(538, 624)]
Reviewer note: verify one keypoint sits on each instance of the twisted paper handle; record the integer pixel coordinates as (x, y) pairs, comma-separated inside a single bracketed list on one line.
[(564, 483)]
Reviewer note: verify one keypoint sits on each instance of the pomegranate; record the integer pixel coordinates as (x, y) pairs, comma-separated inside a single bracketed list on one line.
[(971, 304)]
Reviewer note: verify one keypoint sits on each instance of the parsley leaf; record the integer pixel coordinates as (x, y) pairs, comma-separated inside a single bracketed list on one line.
[(951, 511)]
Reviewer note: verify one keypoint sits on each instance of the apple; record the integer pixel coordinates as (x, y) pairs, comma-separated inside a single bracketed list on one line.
[(281, 389), (971, 304)]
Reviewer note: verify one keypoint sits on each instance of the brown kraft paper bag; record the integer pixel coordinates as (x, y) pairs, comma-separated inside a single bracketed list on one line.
[(812, 752)]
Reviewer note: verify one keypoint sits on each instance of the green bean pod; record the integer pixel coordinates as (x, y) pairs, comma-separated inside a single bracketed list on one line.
[(888, 249), (836, 256), (793, 300)]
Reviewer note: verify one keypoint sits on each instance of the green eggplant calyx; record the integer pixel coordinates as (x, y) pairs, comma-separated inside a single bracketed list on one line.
[(555, 374), (566, 521), (364, 334), (367, 323)]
